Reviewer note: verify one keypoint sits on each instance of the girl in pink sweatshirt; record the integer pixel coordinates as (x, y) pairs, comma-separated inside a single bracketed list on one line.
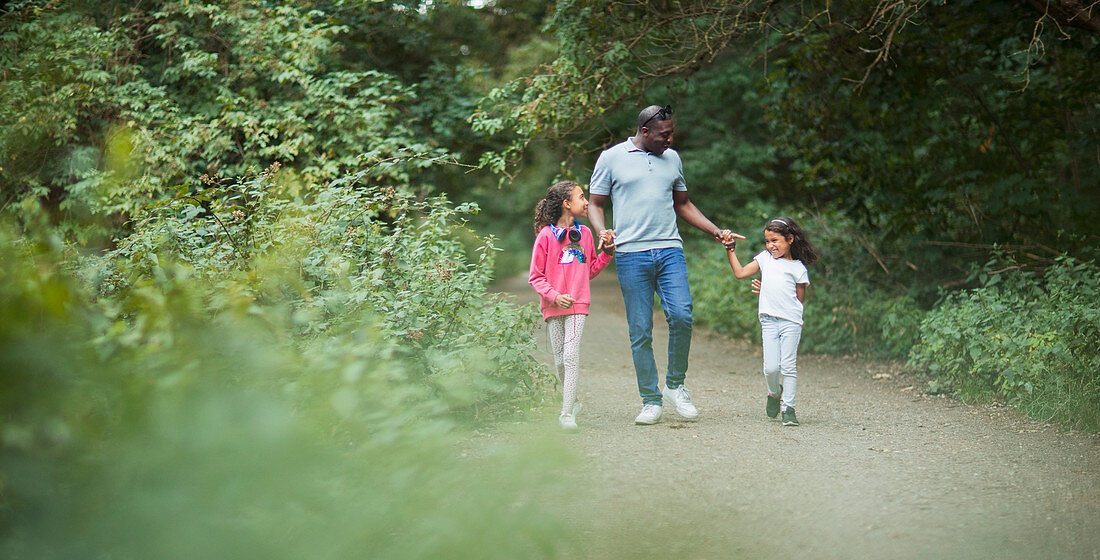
[(563, 260)]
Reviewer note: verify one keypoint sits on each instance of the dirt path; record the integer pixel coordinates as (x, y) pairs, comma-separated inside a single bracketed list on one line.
[(876, 470)]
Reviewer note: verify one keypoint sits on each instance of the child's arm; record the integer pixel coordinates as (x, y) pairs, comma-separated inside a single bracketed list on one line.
[(601, 258), (598, 264), (801, 282), (742, 272)]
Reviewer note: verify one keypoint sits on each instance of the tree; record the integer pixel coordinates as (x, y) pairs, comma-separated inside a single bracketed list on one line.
[(110, 106), (940, 128), (1074, 13)]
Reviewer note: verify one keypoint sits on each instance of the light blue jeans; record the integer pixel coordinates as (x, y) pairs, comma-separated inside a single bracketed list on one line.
[(642, 273), (781, 357)]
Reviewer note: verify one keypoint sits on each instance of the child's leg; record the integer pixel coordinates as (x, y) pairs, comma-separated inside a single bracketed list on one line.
[(574, 327), (769, 330), (555, 328), (789, 335)]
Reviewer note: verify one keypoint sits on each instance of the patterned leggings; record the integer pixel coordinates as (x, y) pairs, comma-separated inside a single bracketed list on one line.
[(565, 341)]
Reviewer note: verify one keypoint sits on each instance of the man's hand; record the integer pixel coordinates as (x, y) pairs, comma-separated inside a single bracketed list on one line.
[(607, 241), (564, 301), (727, 238)]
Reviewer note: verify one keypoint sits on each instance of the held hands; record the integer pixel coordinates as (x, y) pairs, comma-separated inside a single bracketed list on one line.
[(607, 241), (727, 238), (564, 301)]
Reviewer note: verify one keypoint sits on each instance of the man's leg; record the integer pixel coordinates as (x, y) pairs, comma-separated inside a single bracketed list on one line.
[(672, 286), (636, 279)]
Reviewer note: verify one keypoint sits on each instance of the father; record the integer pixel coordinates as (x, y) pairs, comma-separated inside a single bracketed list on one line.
[(644, 180)]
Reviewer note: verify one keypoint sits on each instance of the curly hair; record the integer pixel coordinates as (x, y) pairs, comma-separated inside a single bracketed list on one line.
[(549, 209), (801, 249)]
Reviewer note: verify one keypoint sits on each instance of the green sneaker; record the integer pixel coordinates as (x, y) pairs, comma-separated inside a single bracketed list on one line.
[(789, 417), (772, 408)]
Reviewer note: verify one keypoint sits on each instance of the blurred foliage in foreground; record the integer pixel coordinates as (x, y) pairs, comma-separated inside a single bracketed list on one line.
[(255, 375), (203, 360)]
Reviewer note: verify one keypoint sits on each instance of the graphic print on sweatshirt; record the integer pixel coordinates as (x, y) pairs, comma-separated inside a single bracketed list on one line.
[(572, 253)]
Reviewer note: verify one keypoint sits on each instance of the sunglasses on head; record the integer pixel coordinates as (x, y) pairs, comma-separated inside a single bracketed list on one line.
[(662, 114)]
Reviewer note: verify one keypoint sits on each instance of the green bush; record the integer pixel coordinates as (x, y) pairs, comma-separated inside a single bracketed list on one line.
[(107, 106), (252, 387), (844, 317), (1033, 341), (265, 370), (328, 257)]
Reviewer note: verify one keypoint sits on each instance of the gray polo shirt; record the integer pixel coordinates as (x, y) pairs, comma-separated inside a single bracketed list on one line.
[(640, 185)]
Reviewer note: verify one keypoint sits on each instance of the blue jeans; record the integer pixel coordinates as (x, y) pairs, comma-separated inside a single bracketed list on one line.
[(780, 357), (642, 273)]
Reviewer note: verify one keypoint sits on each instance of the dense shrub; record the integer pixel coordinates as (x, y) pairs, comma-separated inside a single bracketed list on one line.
[(328, 257), (265, 370), (201, 360), (258, 374), (108, 106), (1034, 341)]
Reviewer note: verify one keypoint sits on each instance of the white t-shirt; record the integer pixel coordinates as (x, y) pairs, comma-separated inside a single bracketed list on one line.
[(778, 278)]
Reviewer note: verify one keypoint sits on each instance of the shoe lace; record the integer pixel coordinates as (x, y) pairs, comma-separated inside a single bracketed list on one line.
[(685, 394)]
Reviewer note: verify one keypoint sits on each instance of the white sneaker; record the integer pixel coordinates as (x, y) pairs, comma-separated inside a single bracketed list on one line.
[(568, 420), (681, 398), (650, 414)]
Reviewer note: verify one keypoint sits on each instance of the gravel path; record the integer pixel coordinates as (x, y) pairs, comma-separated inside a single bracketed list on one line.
[(876, 469)]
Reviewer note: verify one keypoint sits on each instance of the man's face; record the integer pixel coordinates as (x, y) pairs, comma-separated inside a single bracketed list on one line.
[(657, 137)]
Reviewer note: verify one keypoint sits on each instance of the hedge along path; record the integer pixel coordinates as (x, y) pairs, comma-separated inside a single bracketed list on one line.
[(876, 469)]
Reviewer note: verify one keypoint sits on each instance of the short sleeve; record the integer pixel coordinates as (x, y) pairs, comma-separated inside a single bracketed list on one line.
[(679, 184), (803, 275), (600, 183)]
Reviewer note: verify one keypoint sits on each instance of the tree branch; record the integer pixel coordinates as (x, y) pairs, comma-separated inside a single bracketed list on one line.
[(1082, 14)]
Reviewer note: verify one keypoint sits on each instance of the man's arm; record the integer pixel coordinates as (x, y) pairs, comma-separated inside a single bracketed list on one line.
[(687, 211), (596, 204)]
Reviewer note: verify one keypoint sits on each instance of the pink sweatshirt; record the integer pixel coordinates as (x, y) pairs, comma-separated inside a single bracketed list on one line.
[(557, 268)]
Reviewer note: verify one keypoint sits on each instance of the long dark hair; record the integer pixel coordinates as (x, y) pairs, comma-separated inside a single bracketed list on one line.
[(549, 209), (801, 248)]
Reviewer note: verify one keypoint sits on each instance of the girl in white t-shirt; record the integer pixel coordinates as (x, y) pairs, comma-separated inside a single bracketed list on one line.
[(782, 289)]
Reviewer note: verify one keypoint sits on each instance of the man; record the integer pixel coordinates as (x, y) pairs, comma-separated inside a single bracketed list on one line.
[(644, 180)]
